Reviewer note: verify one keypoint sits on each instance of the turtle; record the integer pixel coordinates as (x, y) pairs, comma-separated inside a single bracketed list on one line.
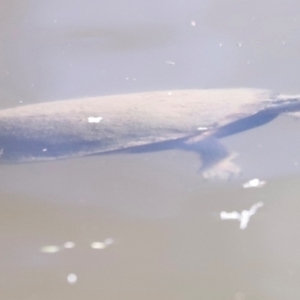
[(188, 119)]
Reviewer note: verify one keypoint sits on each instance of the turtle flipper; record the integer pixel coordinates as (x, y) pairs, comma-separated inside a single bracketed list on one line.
[(224, 169), (216, 158)]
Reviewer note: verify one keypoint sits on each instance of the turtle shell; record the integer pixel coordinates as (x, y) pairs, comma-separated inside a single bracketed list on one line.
[(100, 124)]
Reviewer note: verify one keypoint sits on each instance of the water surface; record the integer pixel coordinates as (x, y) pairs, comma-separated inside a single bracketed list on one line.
[(156, 223)]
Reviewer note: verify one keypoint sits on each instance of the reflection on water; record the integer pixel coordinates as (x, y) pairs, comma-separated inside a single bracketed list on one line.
[(146, 226)]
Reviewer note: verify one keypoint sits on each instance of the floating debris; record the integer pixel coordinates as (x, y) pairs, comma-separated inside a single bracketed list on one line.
[(243, 217), (102, 245), (169, 62), (193, 23), (50, 249), (109, 241), (202, 128), (94, 119), (69, 245), (98, 245), (72, 278), (254, 183), (127, 78)]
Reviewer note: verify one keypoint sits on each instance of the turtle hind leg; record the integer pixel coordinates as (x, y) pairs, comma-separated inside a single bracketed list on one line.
[(224, 169), (216, 158)]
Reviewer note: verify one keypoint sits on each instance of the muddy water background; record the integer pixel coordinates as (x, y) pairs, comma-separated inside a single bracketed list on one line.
[(158, 223)]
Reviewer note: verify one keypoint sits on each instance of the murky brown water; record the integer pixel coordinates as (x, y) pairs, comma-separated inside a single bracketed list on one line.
[(147, 226)]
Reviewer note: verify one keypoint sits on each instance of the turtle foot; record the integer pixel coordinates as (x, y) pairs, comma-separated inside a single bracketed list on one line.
[(224, 170)]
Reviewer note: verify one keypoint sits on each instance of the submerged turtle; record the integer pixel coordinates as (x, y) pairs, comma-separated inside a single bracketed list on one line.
[(193, 120)]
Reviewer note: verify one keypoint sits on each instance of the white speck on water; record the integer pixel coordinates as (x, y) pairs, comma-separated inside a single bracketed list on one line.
[(169, 62), (248, 62), (254, 183), (21, 101), (50, 249), (109, 241), (220, 44), (170, 93), (193, 23), (45, 149), (72, 278), (94, 119), (54, 21), (98, 245), (134, 79), (243, 217), (127, 78), (240, 44), (283, 42), (202, 128), (69, 245)]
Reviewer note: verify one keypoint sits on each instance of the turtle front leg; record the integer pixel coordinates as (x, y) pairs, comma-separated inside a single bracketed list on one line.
[(216, 158)]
